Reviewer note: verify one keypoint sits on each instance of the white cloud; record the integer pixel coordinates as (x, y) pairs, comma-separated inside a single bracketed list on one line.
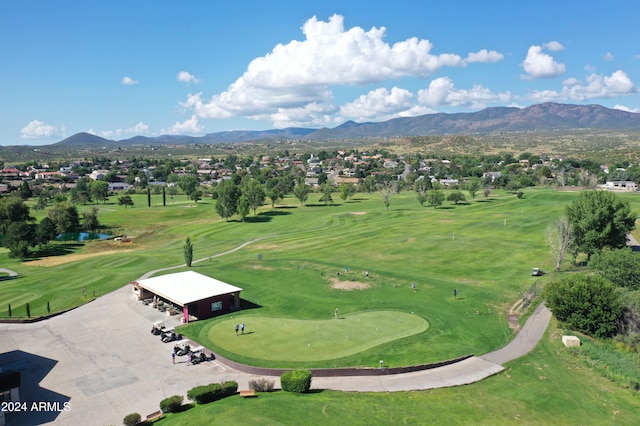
[(608, 57), (538, 64), (553, 46), (39, 130), (594, 86), (128, 81), (186, 77), (189, 126), (442, 92), (625, 108), (484, 55), (135, 130), (378, 104), (299, 73)]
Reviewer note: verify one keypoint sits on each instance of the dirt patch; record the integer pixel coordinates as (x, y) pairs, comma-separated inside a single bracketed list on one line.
[(359, 213), (61, 260), (348, 285)]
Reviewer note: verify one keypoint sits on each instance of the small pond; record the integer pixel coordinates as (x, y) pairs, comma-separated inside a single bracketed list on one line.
[(82, 236)]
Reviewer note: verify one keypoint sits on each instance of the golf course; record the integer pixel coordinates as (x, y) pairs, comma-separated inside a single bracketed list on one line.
[(411, 285)]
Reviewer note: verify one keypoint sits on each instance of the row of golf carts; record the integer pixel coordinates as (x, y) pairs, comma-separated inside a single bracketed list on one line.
[(182, 346)]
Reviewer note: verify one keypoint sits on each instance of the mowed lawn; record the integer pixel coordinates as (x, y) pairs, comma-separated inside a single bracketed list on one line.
[(309, 340), (548, 386), (484, 249)]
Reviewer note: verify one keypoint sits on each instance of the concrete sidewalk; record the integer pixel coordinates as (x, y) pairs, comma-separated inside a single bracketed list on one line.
[(102, 359)]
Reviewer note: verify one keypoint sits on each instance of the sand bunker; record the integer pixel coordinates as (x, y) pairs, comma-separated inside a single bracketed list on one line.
[(358, 213), (348, 285)]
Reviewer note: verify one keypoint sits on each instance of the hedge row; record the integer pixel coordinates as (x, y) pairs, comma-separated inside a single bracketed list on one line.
[(212, 392)]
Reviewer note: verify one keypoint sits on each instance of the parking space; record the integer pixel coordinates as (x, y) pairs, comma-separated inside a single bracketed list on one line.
[(103, 360)]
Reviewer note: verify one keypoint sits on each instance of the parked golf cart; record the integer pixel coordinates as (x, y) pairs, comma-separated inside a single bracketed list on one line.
[(182, 348), (157, 327), (169, 335), (197, 355)]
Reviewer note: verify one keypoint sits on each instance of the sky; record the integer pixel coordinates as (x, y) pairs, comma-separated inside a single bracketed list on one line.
[(119, 69)]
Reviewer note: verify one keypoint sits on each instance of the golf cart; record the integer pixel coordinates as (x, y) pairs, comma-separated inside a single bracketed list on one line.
[(537, 272), (182, 348), (169, 335), (197, 355), (157, 327)]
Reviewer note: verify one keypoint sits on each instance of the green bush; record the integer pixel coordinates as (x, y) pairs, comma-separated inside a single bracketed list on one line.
[(298, 381), (229, 388), (173, 404), (200, 394), (132, 419), (212, 392), (261, 385)]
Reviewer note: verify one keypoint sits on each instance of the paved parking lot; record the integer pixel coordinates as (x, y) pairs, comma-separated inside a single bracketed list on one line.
[(103, 361)]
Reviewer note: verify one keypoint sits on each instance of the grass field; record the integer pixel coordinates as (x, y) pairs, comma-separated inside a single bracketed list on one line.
[(548, 386), (484, 249)]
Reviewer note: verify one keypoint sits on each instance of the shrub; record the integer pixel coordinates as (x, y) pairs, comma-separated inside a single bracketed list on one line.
[(200, 394), (588, 304), (173, 404), (212, 392), (298, 381), (261, 385), (229, 388), (132, 419)]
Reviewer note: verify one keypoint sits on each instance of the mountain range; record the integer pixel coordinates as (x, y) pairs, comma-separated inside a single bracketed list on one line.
[(544, 117)]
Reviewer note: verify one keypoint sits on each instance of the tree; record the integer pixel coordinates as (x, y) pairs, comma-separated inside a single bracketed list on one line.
[(620, 266), (243, 207), (422, 186), (322, 178), (326, 197), (188, 184), (600, 220), (90, 218), (559, 236), (254, 194), (19, 237), (195, 196), (435, 197), (188, 251), (13, 209), (227, 199), (386, 188), (275, 195), (45, 231), (473, 186), (125, 201), (347, 190), (25, 190), (99, 190), (301, 192), (65, 216), (588, 304), (456, 197)]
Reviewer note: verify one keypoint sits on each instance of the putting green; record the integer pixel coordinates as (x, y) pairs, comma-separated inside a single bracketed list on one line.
[(287, 339)]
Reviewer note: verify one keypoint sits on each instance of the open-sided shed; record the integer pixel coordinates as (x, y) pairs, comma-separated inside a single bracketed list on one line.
[(199, 296)]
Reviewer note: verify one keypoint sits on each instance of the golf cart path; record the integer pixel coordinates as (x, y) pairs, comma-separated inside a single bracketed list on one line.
[(468, 371), (241, 246)]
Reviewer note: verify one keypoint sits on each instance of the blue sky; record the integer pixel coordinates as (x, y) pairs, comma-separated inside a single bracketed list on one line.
[(149, 67)]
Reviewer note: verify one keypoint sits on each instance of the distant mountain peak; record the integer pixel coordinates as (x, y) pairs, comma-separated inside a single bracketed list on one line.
[(544, 117)]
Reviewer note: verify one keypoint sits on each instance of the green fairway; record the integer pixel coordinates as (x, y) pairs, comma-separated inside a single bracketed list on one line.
[(307, 340), (548, 386)]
